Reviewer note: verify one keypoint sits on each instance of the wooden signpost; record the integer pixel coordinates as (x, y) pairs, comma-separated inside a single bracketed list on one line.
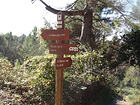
[(68, 49), (63, 62), (60, 49), (60, 34)]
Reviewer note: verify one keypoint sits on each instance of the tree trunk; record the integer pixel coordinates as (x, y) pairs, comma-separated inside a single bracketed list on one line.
[(87, 36)]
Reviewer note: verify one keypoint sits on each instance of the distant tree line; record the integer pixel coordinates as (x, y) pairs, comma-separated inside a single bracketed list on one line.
[(14, 47)]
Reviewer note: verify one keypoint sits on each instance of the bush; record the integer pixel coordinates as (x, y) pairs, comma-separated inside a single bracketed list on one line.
[(132, 77), (130, 85), (40, 77), (5, 70), (86, 77), (130, 50)]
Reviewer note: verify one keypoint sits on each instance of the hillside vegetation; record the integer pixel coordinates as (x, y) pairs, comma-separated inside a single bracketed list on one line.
[(95, 78)]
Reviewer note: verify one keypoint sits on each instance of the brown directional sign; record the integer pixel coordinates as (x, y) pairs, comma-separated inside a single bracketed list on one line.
[(63, 62), (60, 34), (68, 49)]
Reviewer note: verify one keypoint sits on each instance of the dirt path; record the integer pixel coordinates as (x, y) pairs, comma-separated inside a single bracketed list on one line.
[(122, 103), (119, 101)]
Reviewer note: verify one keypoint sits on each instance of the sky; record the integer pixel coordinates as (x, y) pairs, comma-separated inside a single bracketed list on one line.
[(20, 16)]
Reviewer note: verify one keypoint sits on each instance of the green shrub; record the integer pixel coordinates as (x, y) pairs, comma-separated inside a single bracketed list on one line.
[(40, 76), (88, 73), (130, 85), (5, 70), (132, 77)]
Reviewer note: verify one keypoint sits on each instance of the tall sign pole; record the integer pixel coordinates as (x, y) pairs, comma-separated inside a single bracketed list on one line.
[(59, 71), (60, 49)]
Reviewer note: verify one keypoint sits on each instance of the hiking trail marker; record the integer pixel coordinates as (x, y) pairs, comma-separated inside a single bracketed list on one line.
[(60, 49), (63, 62), (60, 34), (68, 49)]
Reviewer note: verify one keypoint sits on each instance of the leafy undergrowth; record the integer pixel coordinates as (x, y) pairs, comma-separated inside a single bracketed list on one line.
[(27, 85), (130, 86), (33, 82), (13, 95), (11, 87), (131, 95)]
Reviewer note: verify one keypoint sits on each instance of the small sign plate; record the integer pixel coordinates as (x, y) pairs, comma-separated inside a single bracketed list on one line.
[(60, 34), (68, 49), (63, 62)]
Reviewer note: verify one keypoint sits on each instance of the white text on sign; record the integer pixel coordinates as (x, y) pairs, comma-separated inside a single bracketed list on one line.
[(73, 49), (60, 61)]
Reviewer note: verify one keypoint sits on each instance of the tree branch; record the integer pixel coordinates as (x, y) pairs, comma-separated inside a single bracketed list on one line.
[(72, 5), (68, 13), (114, 8), (49, 8)]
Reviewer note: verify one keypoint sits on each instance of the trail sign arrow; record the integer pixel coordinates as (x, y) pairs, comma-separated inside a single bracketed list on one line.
[(63, 62), (60, 34), (68, 49)]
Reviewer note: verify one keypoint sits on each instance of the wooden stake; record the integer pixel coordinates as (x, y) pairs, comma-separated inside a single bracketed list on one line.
[(59, 72), (59, 86)]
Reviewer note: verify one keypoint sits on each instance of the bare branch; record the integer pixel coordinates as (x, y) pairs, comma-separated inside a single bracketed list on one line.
[(49, 8), (130, 3), (114, 8), (72, 5), (68, 13), (33, 1)]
